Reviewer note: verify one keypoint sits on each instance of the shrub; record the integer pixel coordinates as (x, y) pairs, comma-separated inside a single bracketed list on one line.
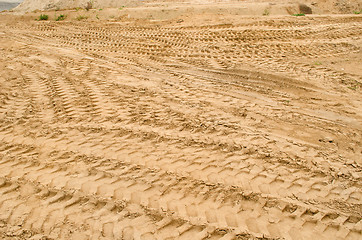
[(61, 17), (266, 12), (80, 17), (43, 17), (356, 12), (299, 14)]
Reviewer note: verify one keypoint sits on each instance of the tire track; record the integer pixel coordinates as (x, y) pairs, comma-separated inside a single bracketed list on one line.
[(115, 131), (144, 192)]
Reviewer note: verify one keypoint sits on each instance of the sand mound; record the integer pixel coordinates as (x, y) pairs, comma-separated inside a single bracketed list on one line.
[(308, 6), (31, 5), (338, 6)]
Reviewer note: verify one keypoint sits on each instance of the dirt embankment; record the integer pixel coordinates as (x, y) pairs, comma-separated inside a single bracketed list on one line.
[(338, 6), (315, 6)]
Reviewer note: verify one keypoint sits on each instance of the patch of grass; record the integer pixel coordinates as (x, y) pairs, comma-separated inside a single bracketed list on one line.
[(100, 9), (266, 12), (285, 101), (81, 17), (299, 14), (354, 88), (317, 63), (61, 17), (43, 17), (356, 12), (122, 7)]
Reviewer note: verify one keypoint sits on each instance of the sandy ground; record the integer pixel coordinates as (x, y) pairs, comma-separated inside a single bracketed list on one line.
[(325, 6), (208, 126)]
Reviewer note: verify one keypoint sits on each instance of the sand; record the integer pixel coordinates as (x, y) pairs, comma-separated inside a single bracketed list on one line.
[(197, 126), (317, 6)]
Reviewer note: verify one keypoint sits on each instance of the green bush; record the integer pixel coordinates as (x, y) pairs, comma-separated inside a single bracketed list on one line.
[(61, 17), (299, 14), (43, 17), (356, 12)]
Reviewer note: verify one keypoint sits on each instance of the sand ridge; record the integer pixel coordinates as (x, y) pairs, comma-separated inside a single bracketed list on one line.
[(316, 6)]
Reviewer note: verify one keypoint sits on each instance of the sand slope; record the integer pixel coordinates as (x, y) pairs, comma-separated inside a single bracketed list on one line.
[(31, 5), (318, 6)]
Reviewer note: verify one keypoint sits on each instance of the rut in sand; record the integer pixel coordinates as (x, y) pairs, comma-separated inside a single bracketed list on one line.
[(113, 131)]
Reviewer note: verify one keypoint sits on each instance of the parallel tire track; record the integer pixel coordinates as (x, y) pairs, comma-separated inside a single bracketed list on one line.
[(113, 131)]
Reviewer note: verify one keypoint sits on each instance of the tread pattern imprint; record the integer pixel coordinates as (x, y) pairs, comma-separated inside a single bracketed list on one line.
[(120, 131)]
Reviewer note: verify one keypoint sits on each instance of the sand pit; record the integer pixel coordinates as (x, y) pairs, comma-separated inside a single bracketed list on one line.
[(154, 122)]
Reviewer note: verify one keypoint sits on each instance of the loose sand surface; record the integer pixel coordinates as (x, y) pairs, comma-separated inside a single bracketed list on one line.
[(205, 126)]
